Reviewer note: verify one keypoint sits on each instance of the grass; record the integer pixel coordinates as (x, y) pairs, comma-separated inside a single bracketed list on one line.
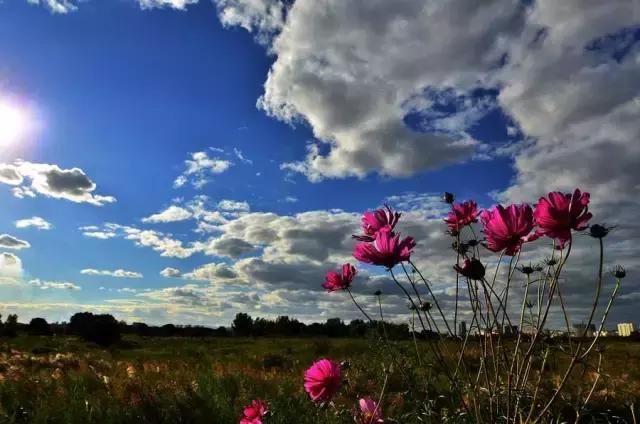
[(179, 380)]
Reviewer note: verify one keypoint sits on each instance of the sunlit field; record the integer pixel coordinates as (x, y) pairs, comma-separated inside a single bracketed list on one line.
[(209, 380)]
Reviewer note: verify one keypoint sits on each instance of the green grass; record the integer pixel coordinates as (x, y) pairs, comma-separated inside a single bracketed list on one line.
[(177, 380)]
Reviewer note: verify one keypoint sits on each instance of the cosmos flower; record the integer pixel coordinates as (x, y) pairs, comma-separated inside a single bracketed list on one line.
[(461, 215), (370, 412), (340, 281), (322, 380), (372, 222), (508, 228), (254, 412), (559, 213), (472, 268), (387, 249)]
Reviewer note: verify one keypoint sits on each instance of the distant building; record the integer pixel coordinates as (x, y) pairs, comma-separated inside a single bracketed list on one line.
[(510, 330), (581, 330), (462, 329), (625, 329)]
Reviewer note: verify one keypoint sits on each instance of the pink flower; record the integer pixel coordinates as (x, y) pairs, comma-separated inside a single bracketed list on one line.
[(506, 229), (561, 213), (461, 215), (322, 380), (472, 269), (370, 412), (254, 412), (387, 249), (372, 222), (335, 281)]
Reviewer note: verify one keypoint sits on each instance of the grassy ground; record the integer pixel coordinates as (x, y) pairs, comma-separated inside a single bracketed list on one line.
[(64, 380)]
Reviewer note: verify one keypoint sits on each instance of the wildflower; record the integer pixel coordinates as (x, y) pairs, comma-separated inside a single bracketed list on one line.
[(461, 215), (387, 249), (599, 231), (253, 413), (526, 269), (425, 306), (550, 261), (448, 197), (461, 248), (322, 380), (619, 272), (560, 213), (340, 281), (370, 412), (508, 228), (372, 222), (472, 269)]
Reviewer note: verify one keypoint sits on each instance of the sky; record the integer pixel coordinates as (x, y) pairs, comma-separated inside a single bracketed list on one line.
[(182, 161)]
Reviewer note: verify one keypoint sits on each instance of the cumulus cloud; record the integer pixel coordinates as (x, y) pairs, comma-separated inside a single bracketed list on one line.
[(160, 242), (54, 285), (170, 272), (57, 6), (10, 267), (10, 242), (355, 70), (51, 181), (172, 214), (212, 272), (173, 4), (200, 168), (35, 222), (233, 205), (118, 273)]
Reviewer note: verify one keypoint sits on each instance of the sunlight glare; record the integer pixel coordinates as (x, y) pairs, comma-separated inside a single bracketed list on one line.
[(13, 123)]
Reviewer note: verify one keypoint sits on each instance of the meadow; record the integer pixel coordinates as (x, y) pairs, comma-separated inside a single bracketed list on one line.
[(62, 379)]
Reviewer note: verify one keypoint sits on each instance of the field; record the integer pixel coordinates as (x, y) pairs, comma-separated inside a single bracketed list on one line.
[(208, 380)]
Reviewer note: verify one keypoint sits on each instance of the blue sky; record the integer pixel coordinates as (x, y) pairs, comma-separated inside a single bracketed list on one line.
[(127, 91)]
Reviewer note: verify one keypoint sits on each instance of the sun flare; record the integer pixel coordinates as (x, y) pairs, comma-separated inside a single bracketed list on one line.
[(14, 123)]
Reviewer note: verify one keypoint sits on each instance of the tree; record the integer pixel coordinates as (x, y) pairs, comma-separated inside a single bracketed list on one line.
[(39, 327), (242, 325), (11, 326), (101, 329)]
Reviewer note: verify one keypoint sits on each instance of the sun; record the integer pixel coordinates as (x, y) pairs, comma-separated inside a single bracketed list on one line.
[(14, 123)]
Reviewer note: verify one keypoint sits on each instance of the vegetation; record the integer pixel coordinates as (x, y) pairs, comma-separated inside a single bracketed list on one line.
[(63, 379)]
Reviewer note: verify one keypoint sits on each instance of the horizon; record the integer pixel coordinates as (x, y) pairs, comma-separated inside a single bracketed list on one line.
[(179, 161)]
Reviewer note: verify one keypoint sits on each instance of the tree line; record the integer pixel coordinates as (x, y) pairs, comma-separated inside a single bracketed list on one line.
[(106, 330)]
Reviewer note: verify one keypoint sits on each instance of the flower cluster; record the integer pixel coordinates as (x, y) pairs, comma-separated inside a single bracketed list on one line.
[(380, 245)]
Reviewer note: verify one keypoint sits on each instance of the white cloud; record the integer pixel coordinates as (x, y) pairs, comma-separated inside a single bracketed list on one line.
[(170, 273), (55, 285), (212, 272), (291, 199), (200, 168), (173, 4), (241, 157), (51, 181), (57, 6), (233, 205), (355, 73), (118, 273), (35, 222), (171, 214), (10, 242), (265, 17), (10, 267)]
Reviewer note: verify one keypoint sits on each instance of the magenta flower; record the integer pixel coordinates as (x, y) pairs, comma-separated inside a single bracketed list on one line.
[(461, 215), (372, 222), (340, 281), (560, 213), (254, 412), (506, 229), (370, 412), (387, 249), (472, 269), (322, 380)]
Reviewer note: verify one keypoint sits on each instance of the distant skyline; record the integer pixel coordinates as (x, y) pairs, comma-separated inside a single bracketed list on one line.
[(179, 161)]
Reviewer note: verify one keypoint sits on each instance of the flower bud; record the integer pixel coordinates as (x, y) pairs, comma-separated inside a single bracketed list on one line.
[(599, 231), (619, 272), (448, 197)]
